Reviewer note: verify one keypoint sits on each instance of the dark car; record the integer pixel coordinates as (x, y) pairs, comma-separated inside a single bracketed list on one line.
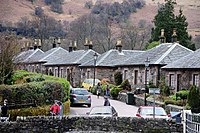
[(103, 111), (80, 96)]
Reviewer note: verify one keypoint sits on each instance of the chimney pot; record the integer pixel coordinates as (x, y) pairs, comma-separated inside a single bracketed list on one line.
[(54, 43), (75, 46), (174, 36), (70, 46), (119, 46), (162, 36), (90, 45), (59, 41), (86, 41)]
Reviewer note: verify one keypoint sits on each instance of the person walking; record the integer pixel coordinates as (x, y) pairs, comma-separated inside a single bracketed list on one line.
[(106, 101), (107, 90), (55, 109), (98, 90)]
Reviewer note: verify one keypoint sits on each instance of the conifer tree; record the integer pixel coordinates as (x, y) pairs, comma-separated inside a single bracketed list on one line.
[(165, 19)]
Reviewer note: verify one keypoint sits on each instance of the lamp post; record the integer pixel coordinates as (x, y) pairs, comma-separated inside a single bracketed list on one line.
[(95, 60), (146, 67)]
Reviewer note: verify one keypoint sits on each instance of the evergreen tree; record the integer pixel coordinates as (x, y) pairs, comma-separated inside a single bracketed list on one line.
[(165, 19)]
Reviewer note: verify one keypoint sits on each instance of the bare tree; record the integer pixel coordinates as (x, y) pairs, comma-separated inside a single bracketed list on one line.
[(8, 50)]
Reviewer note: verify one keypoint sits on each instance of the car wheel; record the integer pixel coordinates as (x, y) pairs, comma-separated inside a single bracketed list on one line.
[(89, 105)]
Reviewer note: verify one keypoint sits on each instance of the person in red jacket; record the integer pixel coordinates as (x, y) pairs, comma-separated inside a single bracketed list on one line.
[(55, 109)]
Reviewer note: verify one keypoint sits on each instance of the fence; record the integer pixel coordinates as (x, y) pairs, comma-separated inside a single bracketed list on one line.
[(192, 123)]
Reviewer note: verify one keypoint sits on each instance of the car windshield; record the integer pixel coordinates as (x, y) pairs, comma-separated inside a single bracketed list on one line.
[(81, 92), (149, 111), (100, 111), (90, 81)]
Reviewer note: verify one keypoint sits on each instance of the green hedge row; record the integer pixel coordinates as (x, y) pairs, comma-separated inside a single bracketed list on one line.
[(32, 87)]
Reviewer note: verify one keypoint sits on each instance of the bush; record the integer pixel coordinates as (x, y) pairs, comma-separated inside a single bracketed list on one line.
[(44, 92), (193, 99), (114, 92), (125, 85), (118, 78), (183, 94)]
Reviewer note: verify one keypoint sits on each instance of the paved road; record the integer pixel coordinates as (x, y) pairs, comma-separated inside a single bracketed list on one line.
[(123, 109)]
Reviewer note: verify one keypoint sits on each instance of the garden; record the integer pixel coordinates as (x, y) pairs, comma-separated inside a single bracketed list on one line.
[(31, 94)]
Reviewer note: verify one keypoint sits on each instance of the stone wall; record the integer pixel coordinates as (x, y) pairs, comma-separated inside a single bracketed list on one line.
[(39, 124), (139, 101)]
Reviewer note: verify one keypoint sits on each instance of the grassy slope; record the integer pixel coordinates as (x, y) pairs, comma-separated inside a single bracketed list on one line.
[(13, 10)]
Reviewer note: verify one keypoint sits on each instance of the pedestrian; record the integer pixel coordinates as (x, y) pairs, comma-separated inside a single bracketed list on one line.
[(61, 108), (106, 102), (107, 90), (4, 109), (98, 89), (55, 109)]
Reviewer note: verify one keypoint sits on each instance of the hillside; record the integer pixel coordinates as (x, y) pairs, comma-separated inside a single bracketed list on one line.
[(13, 10)]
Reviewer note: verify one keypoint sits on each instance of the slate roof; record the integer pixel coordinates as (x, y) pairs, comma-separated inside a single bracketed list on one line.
[(50, 55), (24, 56), (112, 57), (190, 61), (74, 57), (162, 54)]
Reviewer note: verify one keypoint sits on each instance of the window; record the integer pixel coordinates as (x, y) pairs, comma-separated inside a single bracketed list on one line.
[(125, 74), (135, 77), (61, 73), (196, 80), (56, 72), (172, 83), (88, 74)]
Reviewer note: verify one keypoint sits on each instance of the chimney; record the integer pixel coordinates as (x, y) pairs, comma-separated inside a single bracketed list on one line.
[(35, 44), (119, 46), (174, 36), (162, 36), (54, 43), (90, 46), (39, 44), (75, 46), (70, 46), (86, 42), (23, 47), (59, 41)]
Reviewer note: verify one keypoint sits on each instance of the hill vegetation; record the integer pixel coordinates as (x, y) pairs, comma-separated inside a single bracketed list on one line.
[(64, 13)]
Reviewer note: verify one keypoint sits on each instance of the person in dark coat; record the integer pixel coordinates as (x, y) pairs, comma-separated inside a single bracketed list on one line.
[(106, 102), (4, 109)]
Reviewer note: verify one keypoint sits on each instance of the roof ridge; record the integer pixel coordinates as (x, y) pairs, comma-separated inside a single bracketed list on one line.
[(165, 54), (52, 53), (32, 54), (82, 56)]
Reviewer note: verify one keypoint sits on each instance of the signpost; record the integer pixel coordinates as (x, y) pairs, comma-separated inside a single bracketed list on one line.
[(154, 91)]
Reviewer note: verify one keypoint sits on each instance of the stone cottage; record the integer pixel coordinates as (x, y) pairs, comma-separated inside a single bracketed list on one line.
[(138, 74), (184, 72), (68, 65), (105, 64)]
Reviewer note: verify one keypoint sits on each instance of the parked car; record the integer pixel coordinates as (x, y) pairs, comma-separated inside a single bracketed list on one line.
[(88, 83), (80, 96), (103, 111), (147, 112)]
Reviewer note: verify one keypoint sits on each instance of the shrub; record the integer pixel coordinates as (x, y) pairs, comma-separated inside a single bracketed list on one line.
[(125, 85), (183, 94), (193, 99), (118, 78), (114, 92)]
